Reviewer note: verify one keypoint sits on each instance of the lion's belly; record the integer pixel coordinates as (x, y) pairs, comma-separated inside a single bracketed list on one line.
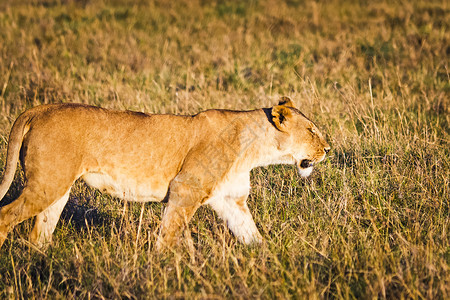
[(125, 188)]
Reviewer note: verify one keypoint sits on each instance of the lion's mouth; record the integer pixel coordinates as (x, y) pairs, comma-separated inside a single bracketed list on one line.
[(306, 163), (305, 167)]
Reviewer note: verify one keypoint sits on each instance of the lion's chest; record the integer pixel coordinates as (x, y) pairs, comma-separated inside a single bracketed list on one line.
[(126, 188), (233, 187)]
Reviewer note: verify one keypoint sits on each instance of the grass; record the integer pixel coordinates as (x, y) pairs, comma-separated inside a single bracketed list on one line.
[(371, 222)]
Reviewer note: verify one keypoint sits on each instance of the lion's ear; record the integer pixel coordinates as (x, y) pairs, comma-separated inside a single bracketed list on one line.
[(280, 116), (286, 101)]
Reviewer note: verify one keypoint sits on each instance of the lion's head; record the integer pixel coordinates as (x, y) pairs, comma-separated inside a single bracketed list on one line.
[(300, 141)]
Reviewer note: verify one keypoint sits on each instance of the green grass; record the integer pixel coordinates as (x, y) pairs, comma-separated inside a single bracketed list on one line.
[(371, 222)]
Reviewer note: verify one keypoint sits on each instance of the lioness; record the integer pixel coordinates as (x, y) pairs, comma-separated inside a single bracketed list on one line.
[(188, 161)]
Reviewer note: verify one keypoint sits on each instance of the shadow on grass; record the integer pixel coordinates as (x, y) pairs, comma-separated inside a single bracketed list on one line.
[(82, 216), (78, 213)]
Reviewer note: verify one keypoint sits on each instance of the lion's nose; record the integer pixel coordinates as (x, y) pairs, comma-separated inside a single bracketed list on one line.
[(327, 149)]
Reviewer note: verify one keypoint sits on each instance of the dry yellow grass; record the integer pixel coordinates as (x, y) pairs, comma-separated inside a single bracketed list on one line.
[(371, 222)]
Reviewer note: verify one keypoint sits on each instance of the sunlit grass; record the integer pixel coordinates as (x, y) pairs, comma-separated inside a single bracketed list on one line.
[(371, 222)]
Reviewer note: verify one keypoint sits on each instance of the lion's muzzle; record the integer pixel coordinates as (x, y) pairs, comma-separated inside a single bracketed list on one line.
[(306, 163)]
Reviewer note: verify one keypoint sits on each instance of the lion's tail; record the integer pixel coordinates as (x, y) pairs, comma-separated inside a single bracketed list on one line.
[(18, 131)]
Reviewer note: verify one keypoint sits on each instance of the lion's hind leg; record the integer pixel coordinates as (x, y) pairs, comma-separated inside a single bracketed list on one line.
[(30, 203), (17, 211), (45, 222)]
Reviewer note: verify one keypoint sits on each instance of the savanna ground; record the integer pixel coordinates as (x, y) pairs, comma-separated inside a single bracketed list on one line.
[(371, 222)]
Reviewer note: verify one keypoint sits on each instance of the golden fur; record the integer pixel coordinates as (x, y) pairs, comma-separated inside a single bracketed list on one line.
[(187, 160)]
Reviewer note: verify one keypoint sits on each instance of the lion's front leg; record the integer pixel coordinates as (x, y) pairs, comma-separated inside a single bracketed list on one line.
[(175, 219), (184, 198), (237, 216)]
